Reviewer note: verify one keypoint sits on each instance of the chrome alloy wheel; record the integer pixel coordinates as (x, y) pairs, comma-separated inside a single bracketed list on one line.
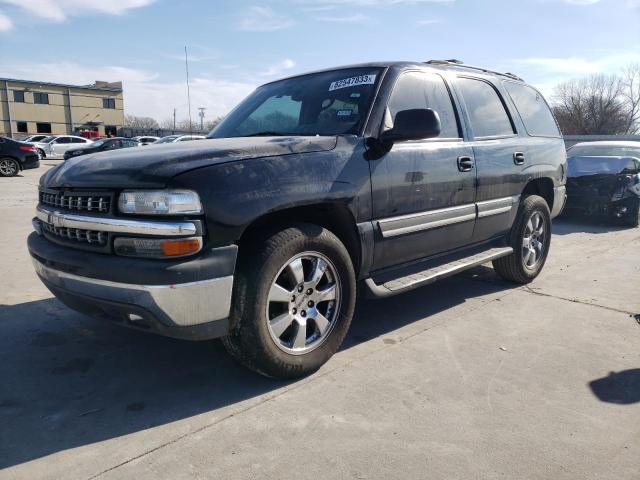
[(8, 167), (534, 241), (303, 303)]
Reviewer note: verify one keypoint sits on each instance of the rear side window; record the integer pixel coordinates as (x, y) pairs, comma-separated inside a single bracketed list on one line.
[(425, 90), (488, 115), (533, 110)]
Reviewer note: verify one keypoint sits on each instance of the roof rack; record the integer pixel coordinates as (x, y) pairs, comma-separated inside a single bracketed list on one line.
[(458, 63)]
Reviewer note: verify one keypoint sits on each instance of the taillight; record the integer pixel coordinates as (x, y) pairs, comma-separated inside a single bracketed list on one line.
[(27, 148)]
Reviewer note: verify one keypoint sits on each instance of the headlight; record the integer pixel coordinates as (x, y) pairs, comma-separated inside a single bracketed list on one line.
[(160, 202)]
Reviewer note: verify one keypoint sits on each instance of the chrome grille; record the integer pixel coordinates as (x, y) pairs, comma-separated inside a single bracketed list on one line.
[(86, 202), (76, 235)]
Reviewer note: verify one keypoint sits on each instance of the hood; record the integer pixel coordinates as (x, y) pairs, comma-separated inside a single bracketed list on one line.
[(153, 165)]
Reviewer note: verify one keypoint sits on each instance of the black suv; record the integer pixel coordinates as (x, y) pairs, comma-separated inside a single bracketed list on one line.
[(390, 174), (16, 156)]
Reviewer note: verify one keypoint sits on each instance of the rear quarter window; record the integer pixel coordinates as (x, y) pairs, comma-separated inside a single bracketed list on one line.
[(533, 109)]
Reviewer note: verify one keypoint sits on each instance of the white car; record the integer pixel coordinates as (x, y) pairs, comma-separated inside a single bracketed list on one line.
[(145, 139), (55, 146), (32, 138), (179, 138)]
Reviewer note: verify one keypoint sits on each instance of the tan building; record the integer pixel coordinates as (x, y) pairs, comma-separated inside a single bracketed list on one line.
[(30, 107)]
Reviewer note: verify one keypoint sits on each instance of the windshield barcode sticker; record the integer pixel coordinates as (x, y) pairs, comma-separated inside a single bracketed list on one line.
[(352, 82)]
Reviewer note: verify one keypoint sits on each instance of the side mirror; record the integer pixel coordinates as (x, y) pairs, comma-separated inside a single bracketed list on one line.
[(415, 124)]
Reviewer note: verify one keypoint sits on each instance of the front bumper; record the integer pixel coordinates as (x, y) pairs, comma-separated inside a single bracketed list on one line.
[(169, 298)]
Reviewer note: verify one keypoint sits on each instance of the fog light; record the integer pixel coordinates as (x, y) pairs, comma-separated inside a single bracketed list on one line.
[(157, 247)]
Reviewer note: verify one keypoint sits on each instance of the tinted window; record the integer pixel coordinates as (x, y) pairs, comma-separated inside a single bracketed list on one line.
[(77, 140), (108, 103), (42, 98), (22, 127), (604, 151), (581, 166), (425, 90), (534, 111), (486, 111), (18, 96), (43, 127), (63, 140)]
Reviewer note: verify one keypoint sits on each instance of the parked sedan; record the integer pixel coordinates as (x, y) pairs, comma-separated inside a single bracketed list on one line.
[(145, 140), (179, 138), (32, 138), (55, 146), (16, 156), (604, 181), (101, 146)]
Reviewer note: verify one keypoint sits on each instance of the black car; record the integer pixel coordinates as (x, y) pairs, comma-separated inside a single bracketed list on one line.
[(604, 187), (16, 156), (392, 175), (101, 146)]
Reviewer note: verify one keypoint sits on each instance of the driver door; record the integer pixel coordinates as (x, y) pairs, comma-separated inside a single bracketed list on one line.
[(61, 145), (423, 196)]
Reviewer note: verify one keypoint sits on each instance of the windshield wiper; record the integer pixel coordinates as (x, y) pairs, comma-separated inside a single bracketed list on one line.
[(270, 134)]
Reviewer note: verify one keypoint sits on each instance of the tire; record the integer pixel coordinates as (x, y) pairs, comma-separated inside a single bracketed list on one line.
[(632, 218), (42, 154), (528, 258), (9, 167), (267, 333)]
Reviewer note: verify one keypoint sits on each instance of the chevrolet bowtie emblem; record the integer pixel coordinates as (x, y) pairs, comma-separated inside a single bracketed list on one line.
[(55, 219)]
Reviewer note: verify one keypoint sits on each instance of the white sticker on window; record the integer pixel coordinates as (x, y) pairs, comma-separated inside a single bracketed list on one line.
[(352, 82), (344, 113)]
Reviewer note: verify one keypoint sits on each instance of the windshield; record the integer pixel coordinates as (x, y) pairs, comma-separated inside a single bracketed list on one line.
[(581, 166), (604, 151), (48, 139), (168, 139), (97, 143), (328, 103)]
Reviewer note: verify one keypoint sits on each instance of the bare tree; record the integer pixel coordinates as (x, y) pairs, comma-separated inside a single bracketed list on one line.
[(146, 123), (592, 106), (211, 124), (631, 96)]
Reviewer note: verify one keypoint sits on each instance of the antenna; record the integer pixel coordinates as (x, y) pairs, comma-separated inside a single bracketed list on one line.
[(186, 64)]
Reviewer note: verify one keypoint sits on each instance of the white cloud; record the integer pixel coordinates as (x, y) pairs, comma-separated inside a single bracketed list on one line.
[(425, 23), (279, 68), (321, 3), (5, 23), (582, 2), (59, 10), (356, 18), (145, 94), (263, 19), (579, 66)]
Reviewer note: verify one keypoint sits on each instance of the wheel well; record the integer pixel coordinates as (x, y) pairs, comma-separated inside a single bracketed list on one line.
[(14, 159), (542, 187), (334, 217)]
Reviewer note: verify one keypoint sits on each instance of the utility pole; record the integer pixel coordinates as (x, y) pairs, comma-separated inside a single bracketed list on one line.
[(174, 121), (186, 65), (201, 115)]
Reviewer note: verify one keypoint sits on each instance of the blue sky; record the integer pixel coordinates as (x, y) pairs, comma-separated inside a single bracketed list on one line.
[(237, 45)]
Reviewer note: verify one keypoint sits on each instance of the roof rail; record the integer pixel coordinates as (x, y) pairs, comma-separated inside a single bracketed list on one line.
[(458, 63)]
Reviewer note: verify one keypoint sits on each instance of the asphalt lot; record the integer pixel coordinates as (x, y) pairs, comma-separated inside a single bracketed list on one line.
[(468, 378)]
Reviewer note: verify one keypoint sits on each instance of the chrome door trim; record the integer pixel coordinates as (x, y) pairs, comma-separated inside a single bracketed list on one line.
[(116, 225), (392, 227), (497, 206)]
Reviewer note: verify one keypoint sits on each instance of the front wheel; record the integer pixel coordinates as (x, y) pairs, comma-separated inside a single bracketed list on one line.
[(8, 167), (530, 238), (293, 302)]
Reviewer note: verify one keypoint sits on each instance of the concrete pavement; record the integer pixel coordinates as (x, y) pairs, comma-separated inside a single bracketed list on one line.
[(468, 378)]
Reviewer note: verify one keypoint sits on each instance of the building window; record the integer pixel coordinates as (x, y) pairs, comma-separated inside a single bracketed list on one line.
[(21, 127), (41, 98), (43, 127), (110, 130), (108, 103), (18, 96)]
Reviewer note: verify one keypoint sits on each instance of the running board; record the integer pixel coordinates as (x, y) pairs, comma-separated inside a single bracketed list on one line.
[(430, 275)]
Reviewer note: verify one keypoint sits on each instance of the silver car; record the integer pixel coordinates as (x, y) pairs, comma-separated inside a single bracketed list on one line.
[(55, 146), (145, 139), (179, 138)]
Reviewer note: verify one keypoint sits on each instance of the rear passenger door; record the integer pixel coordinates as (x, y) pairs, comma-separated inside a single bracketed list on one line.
[(498, 153), (423, 202)]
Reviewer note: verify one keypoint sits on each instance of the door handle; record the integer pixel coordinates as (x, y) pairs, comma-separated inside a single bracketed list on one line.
[(465, 164), (518, 158)]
